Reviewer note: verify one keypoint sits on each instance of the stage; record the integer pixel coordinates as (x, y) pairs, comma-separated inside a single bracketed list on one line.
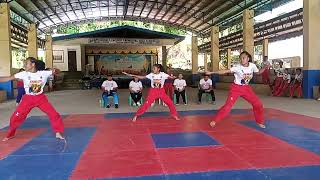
[(109, 146)]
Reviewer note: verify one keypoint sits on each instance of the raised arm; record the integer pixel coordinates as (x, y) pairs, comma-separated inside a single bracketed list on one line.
[(6, 79), (219, 72), (263, 69), (132, 75)]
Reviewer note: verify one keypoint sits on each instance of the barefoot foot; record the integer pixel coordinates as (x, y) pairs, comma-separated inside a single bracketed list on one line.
[(176, 118), (134, 119), (7, 138), (262, 126), (59, 136), (212, 123)]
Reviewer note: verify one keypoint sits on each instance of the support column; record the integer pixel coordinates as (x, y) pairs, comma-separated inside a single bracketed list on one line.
[(194, 51), (215, 57), (311, 46), (5, 48), (32, 41), (205, 61), (248, 31), (164, 57), (265, 47), (49, 52), (229, 57), (194, 60)]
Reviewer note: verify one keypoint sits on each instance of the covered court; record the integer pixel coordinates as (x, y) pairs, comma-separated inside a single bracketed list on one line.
[(104, 143)]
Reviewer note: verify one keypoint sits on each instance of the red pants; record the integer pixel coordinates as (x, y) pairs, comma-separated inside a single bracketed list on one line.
[(246, 93), (282, 89), (157, 93), (266, 77), (277, 83), (296, 87), (29, 102), (168, 87)]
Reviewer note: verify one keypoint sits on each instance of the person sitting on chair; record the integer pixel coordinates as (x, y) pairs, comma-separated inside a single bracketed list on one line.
[(205, 86), (135, 88), (109, 88), (179, 89)]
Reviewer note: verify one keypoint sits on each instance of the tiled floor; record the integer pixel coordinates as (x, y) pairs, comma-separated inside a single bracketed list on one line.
[(110, 146)]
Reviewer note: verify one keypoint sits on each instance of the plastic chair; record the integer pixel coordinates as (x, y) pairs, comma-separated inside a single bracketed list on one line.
[(131, 103), (175, 99)]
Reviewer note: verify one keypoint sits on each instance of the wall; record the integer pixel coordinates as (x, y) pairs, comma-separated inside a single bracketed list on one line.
[(64, 66)]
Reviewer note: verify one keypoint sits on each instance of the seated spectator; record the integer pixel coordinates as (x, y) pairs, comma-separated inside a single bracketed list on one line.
[(284, 85), (205, 86), (179, 89), (109, 88), (279, 77), (135, 88), (297, 83)]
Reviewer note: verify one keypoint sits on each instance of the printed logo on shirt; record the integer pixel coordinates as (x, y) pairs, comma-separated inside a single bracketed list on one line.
[(246, 78), (157, 83), (35, 86)]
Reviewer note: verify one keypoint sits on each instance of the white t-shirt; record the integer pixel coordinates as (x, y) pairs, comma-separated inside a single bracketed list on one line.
[(242, 74), (287, 77), (205, 84), (34, 82), (135, 86), (157, 80), (298, 77), (280, 72), (109, 85), (179, 84)]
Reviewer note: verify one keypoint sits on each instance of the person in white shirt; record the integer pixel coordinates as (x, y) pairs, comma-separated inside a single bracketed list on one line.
[(243, 73), (297, 83), (279, 77), (180, 89), (157, 78), (109, 88), (205, 86), (284, 85), (135, 87), (34, 79)]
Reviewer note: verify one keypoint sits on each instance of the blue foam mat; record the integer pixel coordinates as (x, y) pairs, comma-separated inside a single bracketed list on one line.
[(296, 135)]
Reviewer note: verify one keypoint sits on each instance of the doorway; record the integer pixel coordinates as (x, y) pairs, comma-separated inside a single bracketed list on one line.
[(72, 61)]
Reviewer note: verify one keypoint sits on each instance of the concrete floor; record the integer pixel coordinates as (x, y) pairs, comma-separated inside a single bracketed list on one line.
[(87, 102)]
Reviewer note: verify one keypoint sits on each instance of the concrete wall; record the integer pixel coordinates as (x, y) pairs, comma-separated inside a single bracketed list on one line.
[(64, 66)]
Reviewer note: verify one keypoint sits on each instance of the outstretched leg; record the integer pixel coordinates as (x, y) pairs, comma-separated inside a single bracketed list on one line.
[(152, 96), (258, 110), (19, 115), (166, 99), (234, 93)]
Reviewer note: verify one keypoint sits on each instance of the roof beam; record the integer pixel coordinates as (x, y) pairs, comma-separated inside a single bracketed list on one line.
[(58, 2), (206, 4), (69, 3), (36, 17), (159, 10), (216, 5), (144, 5), (53, 10), (190, 8), (177, 10), (81, 9), (134, 7), (170, 7), (125, 8), (220, 11), (152, 6), (42, 11)]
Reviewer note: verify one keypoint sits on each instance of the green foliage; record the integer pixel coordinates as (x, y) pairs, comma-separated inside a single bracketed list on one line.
[(92, 26), (18, 56)]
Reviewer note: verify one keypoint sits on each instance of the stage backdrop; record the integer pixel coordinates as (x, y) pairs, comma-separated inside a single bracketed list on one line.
[(132, 63)]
